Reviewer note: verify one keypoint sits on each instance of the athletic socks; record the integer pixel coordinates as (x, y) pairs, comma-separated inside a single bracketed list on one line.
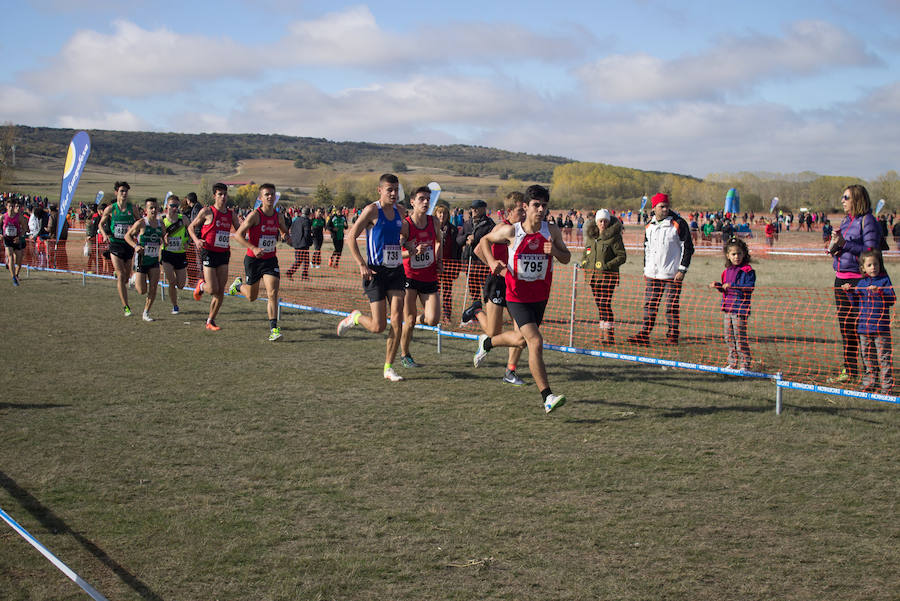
[(545, 393), (488, 345), (273, 323)]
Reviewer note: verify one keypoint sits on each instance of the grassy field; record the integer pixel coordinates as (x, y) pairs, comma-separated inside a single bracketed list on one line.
[(164, 462)]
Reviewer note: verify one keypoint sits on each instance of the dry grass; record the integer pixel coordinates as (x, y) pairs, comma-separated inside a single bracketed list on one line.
[(163, 462)]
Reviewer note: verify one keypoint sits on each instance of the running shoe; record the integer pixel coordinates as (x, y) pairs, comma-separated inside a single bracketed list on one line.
[(347, 323), (513, 378), (146, 317), (235, 286), (275, 334), (554, 401), (408, 361), (212, 327), (198, 290), (639, 339), (390, 374), (127, 311), (841, 378), (15, 281), (131, 280), (174, 309), (469, 314), (482, 352)]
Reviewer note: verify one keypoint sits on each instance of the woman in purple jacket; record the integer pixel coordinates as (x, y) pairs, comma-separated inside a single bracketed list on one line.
[(859, 232)]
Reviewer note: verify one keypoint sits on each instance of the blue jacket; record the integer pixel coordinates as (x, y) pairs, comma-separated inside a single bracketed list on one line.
[(741, 281), (860, 234), (874, 305)]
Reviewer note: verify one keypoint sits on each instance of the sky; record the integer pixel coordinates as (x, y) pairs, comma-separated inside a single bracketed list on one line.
[(692, 87)]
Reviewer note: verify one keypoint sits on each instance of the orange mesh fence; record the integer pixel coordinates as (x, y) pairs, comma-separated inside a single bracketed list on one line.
[(792, 331)]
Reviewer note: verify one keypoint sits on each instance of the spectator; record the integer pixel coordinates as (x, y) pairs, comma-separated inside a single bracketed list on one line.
[(301, 239), (604, 253), (467, 239), (667, 255)]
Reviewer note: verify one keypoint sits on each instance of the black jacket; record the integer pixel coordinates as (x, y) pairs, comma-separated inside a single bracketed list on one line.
[(301, 233)]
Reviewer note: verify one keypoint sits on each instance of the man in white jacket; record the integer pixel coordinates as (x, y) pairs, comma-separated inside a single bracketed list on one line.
[(667, 255)]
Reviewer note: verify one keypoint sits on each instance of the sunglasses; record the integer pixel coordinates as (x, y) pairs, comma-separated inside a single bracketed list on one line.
[(173, 206), (845, 197)]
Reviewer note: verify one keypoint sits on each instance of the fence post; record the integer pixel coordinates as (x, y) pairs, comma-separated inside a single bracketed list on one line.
[(439, 338), (466, 295), (83, 279), (778, 389), (572, 308), (278, 311)]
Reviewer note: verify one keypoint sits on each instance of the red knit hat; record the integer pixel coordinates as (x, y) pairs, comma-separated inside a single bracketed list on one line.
[(658, 198)]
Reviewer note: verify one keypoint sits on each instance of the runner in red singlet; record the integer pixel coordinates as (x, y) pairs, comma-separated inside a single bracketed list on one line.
[(420, 236), (529, 273), (214, 244), (260, 233)]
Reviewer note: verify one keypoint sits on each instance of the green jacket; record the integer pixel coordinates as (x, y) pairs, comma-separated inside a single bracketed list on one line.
[(603, 252)]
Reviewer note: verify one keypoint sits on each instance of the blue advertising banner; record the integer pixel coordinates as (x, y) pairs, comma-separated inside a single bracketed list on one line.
[(76, 159)]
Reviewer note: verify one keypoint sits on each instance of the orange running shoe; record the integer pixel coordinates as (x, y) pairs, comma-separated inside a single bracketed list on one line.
[(198, 290), (212, 327)]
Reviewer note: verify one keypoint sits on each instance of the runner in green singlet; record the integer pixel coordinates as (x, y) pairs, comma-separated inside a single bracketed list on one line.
[(146, 238), (114, 224)]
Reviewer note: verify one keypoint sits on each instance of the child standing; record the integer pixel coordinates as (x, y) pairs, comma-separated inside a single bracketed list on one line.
[(874, 295), (738, 281)]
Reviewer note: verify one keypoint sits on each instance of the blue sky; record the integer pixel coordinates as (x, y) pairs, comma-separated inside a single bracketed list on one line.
[(690, 87)]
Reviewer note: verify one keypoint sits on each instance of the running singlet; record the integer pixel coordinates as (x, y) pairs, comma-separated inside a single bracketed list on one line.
[(501, 251), (151, 239), (264, 235), (10, 225), (178, 240), (120, 221), (383, 240), (421, 266), (216, 235), (529, 268), (338, 225)]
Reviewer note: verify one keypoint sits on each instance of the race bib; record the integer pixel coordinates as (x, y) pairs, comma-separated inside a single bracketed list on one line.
[(175, 244), (151, 249), (10, 230), (222, 237), (392, 256), (267, 244), (532, 267), (423, 259), (120, 230)]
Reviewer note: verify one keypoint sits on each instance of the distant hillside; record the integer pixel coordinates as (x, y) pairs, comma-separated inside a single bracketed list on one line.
[(149, 151)]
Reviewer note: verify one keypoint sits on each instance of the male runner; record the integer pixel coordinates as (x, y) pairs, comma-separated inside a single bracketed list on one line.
[(145, 236), (115, 223), (215, 224), (420, 237), (382, 270), (490, 314), (259, 233), (529, 273), (174, 253)]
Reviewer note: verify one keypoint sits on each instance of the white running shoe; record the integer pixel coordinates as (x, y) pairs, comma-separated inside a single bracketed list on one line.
[(390, 374), (481, 353), (146, 317), (554, 401), (347, 323)]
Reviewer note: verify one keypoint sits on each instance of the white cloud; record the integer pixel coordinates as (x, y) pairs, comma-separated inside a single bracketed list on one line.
[(354, 38), (135, 62), (734, 64), (397, 111)]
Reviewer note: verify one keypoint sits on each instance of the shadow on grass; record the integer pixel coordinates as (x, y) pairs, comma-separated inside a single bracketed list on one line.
[(54, 523), (765, 406), (30, 406)]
